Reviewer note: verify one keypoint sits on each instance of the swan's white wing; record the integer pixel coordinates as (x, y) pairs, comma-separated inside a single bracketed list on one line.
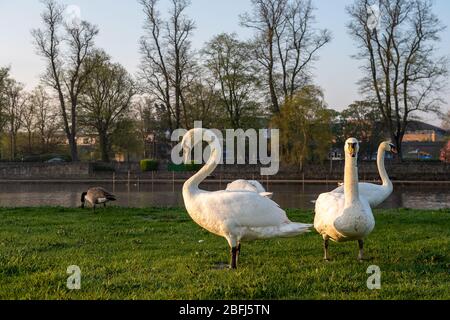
[(241, 208), (266, 194), (257, 185), (375, 194), (328, 207), (240, 185), (248, 185)]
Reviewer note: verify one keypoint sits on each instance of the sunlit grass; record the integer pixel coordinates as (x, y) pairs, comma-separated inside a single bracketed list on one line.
[(158, 254)]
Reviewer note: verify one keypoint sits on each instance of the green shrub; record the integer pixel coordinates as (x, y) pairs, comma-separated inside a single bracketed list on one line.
[(149, 165), (184, 167)]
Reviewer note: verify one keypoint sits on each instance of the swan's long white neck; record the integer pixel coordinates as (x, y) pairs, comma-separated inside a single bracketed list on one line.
[(351, 192), (192, 184), (381, 168)]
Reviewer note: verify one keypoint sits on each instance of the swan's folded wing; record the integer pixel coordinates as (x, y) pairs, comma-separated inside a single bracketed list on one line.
[(328, 206), (246, 185), (374, 193), (266, 194), (244, 208)]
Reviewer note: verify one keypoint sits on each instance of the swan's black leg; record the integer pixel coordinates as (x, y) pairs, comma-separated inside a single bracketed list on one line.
[(94, 208), (234, 251), (361, 250), (104, 205), (325, 249), (238, 253)]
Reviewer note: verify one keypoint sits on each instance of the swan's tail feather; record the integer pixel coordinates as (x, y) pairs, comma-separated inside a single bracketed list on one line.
[(286, 230), (294, 229)]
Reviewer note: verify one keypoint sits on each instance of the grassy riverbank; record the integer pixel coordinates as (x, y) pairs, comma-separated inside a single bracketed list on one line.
[(162, 254)]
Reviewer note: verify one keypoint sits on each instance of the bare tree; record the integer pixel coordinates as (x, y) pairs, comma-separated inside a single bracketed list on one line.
[(47, 121), (28, 122), (166, 57), (268, 16), (4, 75), (16, 100), (106, 99), (286, 44), (362, 119), (401, 70), (205, 103), (65, 53), (230, 63)]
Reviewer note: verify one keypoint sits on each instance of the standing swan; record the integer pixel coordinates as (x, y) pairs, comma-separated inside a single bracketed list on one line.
[(235, 215), (345, 216), (374, 193)]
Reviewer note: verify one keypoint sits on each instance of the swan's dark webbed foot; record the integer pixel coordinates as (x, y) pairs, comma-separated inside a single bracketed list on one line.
[(238, 253)]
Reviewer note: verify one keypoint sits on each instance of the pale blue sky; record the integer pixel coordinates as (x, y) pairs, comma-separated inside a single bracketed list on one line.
[(120, 23)]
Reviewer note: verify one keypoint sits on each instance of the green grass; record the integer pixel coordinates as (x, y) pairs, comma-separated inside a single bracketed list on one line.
[(156, 254)]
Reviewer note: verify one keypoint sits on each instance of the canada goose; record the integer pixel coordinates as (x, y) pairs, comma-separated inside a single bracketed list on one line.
[(96, 196)]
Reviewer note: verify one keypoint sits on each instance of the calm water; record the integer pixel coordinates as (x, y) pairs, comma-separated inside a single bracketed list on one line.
[(168, 195)]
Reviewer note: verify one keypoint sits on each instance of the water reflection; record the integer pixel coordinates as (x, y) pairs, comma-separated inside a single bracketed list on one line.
[(169, 195)]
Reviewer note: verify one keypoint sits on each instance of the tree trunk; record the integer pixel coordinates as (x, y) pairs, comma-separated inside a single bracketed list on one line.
[(104, 146), (12, 146), (73, 148), (273, 93), (398, 143), (29, 141)]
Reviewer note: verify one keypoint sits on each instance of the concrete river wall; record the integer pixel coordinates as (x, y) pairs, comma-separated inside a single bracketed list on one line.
[(408, 171)]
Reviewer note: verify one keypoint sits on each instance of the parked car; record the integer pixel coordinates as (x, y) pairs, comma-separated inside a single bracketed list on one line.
[(55, 160)]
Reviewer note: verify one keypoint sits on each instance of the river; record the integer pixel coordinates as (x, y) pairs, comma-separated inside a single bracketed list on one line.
[(36, 194)]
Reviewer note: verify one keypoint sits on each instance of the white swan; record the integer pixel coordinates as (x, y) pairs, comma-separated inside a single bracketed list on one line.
[(235, 215), (249, 185), (345, 216), (374, 193)]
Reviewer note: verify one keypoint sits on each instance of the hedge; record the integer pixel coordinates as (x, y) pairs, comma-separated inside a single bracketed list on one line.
[(149, 165)]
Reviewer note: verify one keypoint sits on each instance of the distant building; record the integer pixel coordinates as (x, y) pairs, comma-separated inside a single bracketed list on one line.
[(423, 141), (422, 132)]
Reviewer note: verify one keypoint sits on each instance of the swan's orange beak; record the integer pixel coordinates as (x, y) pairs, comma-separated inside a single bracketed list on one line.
[(352, 149)]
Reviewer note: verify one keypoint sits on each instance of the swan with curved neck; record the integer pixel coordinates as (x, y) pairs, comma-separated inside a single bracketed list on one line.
[(235, 215), (376, 194), (345, 216)]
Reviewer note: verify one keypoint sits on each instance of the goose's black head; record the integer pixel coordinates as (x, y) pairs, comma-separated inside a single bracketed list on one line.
[(83, 199)]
